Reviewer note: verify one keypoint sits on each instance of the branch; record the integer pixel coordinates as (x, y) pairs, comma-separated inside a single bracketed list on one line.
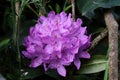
[(73, 9), (98, 39), (33, 10), (113, 45), (17, 28)]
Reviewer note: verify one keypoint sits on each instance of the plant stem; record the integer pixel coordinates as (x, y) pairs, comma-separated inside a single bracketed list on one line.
[(13, 20), (33, 10), (64, 5), (73, 9), (113, 45), (17, 26)]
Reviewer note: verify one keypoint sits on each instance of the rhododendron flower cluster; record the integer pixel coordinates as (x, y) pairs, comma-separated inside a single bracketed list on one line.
[(56, 41)]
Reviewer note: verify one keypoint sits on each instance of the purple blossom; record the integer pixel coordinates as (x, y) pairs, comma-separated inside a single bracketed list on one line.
[(56, 41)]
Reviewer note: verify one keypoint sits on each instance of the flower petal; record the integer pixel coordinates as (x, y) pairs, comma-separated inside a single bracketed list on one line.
[(77, 63), (84, 55), (36, 62), (61, 70), (51, 14), (31, 49), (45, 67), (26, 54), (48, 49)]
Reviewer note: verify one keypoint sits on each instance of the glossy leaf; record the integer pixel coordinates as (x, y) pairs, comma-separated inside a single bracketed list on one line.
[(87, 7), (96, 64)]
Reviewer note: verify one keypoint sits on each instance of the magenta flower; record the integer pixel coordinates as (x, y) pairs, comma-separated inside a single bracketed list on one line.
[(56, 41)]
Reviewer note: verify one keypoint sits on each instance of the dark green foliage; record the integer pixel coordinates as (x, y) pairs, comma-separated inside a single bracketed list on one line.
[(87, 7)]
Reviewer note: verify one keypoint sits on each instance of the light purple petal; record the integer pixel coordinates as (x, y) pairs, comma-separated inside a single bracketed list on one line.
[(74, 50), (68, 58), (27, 41), (63, 14), (58, 54), (79, 22), (47, 40), (61, 70), (86, 45), (36, 62), (38, 49), (45, 67), (31, 49), (84, 55), (84, 40), (58, 46), (54, 64), (48, 49), (77, 63), (83, 31), (31, 30), (51, 14), (41, 19), (56, 34), (26, 54)]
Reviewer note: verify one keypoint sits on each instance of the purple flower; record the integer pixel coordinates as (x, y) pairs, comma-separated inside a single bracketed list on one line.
[(56, 41)]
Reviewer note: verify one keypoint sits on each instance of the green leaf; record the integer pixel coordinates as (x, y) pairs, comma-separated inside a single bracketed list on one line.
[(67, 8), (106, 71), (96, 64), (31, 73), (50, 7), (107, 65), (87, 7), (4, 42), (57, 8)]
